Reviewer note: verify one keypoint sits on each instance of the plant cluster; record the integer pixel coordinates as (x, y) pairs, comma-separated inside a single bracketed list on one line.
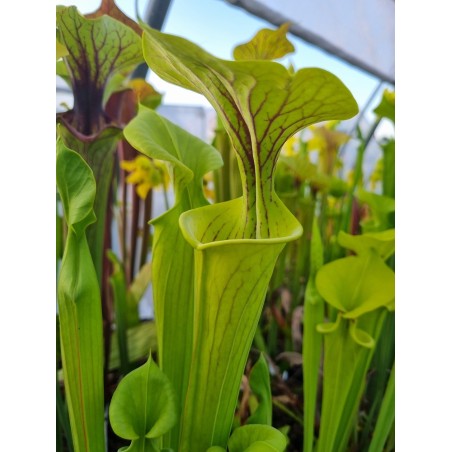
[(273, 295)]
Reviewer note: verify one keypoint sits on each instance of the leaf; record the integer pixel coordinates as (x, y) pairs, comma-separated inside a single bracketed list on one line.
[(314, 312), (329, 327), (109, 8), (98, 153), (383, 243), (143, 406), (266, 45), (97, 49), (344, 369), (173, 260), (381, 207), (237, 243), (337, 187), (118, 284), (79, 305), (386, 107), (72, 174), (261, 105), (356, 284), (231, 279), (61, 50), (385, 417), (389, 168), (141, 339), (141, 445), (260, 385), (158, 138), (306, 171), (257, 438), (361, 337), (140, 283), (92, 57), (381, 204)]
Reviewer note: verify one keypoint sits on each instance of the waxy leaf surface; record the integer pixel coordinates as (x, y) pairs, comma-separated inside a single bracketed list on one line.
[(314, 312), (344, 368), (383, 243), (386, 416), (79, 305), (231, 279), (61, 50), (97, 49), (143, 405), (260, 103), (236, 243), (386, 107), (260, 385), (381, 209), (190, 157), (172, 257), (257, 438), (77, 188), (356, 284), (98, 153)]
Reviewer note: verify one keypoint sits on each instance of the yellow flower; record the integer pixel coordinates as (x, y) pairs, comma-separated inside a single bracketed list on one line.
[(289, 147), (327, 141), (146, 174), (207, 185), (145, 93)]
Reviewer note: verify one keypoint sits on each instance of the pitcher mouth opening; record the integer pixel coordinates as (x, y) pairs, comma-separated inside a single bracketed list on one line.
[(195, 226)]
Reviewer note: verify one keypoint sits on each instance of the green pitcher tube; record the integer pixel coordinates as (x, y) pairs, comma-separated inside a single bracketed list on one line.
[(230, 282)]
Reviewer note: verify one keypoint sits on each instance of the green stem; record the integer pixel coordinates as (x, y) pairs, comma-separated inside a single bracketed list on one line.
[(345, 367), (382, 362), (79, 306), (314, 312), (386, 417), (389, 169), (390, 446), (118, 284), (229, 296), (136, 204), (301, 270), (165, 198), (373, 323), (122, 222), (81, 347), (63, 418), (100, 156), (173, 304), (222, 175), (147, 215)]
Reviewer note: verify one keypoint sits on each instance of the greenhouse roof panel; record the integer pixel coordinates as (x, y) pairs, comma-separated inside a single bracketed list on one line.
[(359, 32)]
